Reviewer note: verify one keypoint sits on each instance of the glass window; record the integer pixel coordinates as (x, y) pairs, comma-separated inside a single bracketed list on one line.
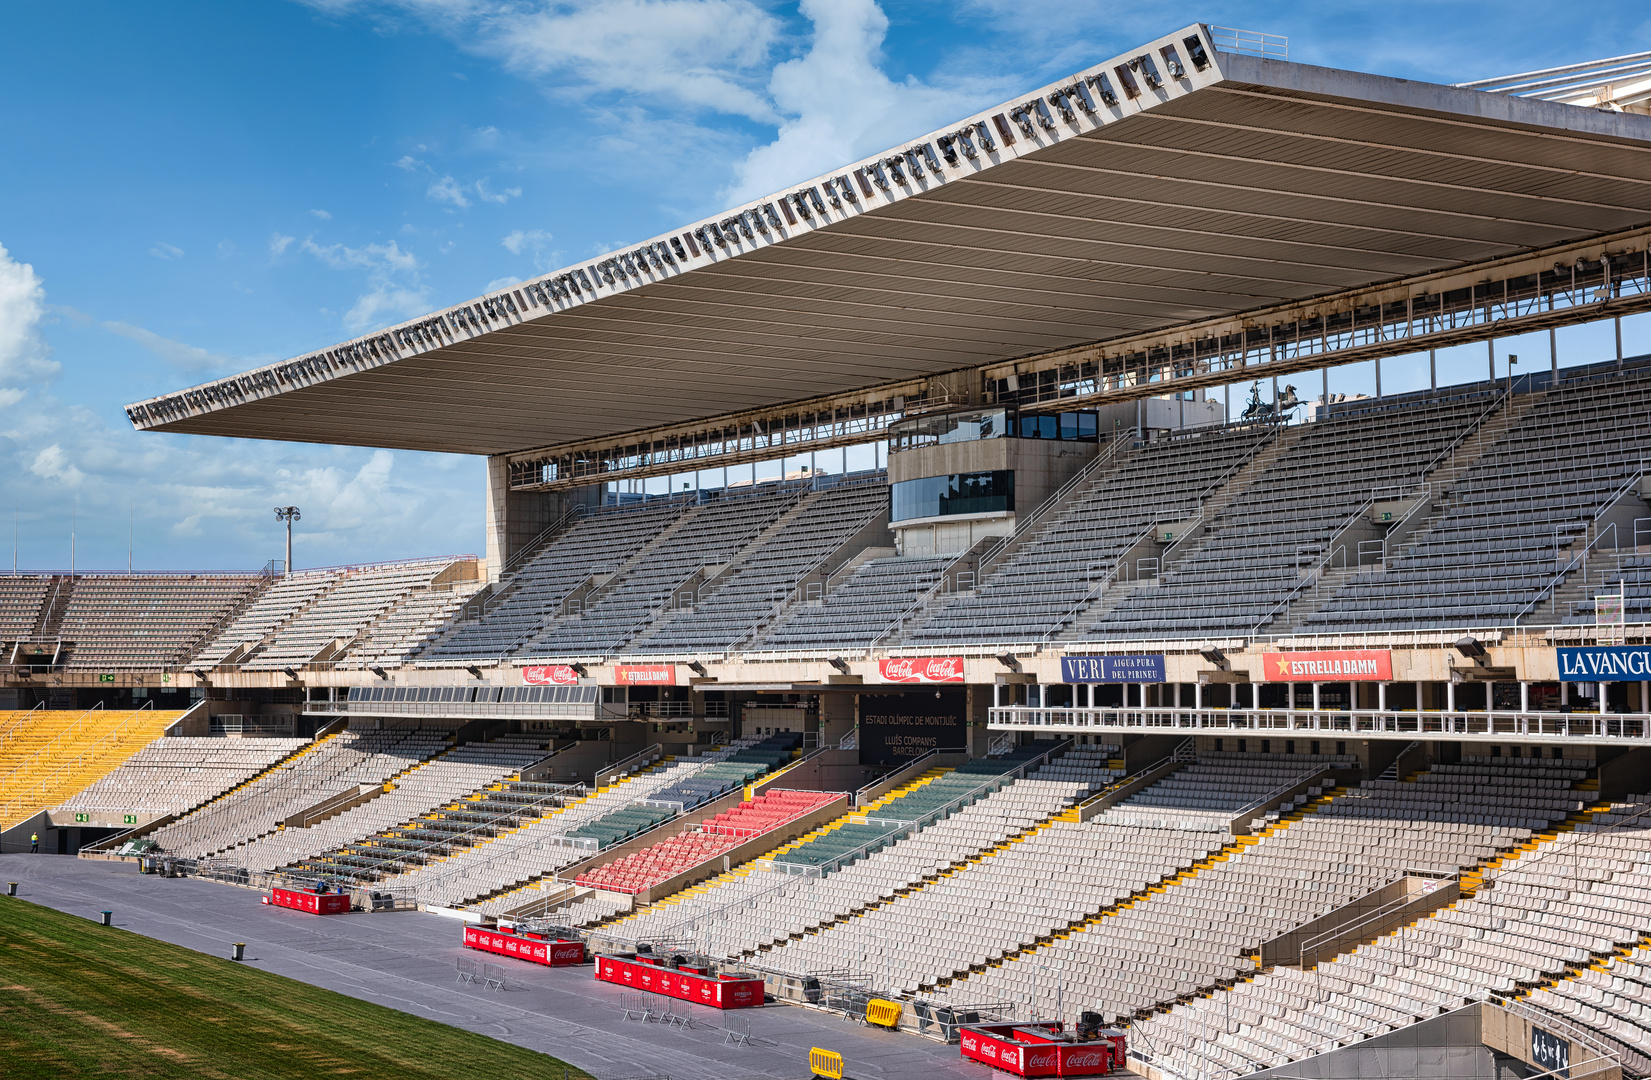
[(960, 493)]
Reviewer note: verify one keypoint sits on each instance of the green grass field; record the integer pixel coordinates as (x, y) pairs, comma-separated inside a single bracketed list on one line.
[(80, 999)]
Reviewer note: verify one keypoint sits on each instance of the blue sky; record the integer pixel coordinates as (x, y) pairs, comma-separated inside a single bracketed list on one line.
[(187, 189)]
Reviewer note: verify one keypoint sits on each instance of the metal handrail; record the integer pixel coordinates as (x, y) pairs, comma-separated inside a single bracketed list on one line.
[(1581, 557), (987, 559)]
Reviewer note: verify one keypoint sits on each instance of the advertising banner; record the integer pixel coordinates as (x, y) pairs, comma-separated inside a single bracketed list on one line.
[(718, 993), (550, 675), (1605, 663), (1112, 669), (314, 903), (644, 675), (1352, 665), (538, 950), (895, 727), (930, 669)]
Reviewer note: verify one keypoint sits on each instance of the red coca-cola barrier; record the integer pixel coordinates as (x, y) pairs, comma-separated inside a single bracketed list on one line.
[(314, 903), (1041, 1050), (525, 946), (719, 992)]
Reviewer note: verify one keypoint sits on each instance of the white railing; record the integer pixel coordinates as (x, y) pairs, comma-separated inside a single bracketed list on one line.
[(1460, 725)]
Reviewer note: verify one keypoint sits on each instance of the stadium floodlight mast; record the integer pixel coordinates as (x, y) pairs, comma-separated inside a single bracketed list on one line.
[(288, 514)]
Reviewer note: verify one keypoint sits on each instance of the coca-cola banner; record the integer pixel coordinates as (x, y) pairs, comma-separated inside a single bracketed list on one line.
[(550, 675), (927, 669), (645, 675), (897, 727)]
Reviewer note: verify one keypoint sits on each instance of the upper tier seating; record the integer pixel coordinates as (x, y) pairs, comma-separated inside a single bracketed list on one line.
[(409, 626), (1489, 556), (22, 598), (1191, 936), (284, 598), (147, 622), (1252, 558), (359, 598), (328, 769), (1633, 575), (1552, 914), (598, 544), (49, 755), (172, 775), (1038, 585), (728, 612), (856, 611), (711, 535)]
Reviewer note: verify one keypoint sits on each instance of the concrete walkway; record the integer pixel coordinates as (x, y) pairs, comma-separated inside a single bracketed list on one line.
[(405, 960)]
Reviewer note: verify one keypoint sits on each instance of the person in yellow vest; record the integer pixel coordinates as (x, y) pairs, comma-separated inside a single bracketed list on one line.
[(34, 843)]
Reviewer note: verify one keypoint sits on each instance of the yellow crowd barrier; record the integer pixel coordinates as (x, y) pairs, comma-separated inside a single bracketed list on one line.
[(827, 1063)]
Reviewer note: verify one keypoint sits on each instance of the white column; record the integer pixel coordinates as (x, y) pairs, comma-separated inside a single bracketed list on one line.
[(1450, 697), (1524, 697), (1381, 697), (498, 515), (1315, 697), (1644, 687), (1255, 696), (1420, 697), (1564, 693), (1292, 693), (1198, 695)]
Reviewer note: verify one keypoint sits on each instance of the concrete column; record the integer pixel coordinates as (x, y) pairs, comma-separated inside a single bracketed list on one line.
[(1564, 693), (1255, 697), (1198, 695), (1316, 697), (1420, 697), (1450, 697), (1524, 697), (1553, 355), (1433, 369), (1381, 697), (1290, 689), (1645, 686), (498, 516)]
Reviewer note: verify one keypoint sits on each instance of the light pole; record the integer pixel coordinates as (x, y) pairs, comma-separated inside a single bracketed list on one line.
[(288, 514)]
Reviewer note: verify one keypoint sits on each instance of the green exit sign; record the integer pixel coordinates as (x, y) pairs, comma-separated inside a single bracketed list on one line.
[(83, 817), (105, 678), (1387, 515), (130, 819)]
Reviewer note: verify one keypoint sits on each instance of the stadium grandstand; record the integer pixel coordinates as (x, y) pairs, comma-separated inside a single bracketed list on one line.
[(886, 597)]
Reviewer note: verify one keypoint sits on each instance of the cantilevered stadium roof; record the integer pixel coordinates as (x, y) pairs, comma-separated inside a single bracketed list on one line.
[(1171, 184)]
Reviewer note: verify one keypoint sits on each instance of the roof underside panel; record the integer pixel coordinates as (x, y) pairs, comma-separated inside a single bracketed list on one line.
[(1266, 182)]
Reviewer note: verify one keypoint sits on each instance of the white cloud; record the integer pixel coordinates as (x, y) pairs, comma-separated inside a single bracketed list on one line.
[(278, 244), (394, 280), (409, 163), (322, 214), (500, 283), (203, 503), (518, 240), (500, 197), (163, 250), (824, 126), (450, 190), (23, 356), (51, 463), (187, 358)]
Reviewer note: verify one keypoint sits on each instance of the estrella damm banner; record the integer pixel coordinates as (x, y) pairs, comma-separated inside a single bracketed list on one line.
[(1348, 665)]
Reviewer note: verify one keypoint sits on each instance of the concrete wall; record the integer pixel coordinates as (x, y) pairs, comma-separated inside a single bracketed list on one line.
[(1359, 921), (1040, 467), (1509, 1032), (907, 773), (1447, 1046)]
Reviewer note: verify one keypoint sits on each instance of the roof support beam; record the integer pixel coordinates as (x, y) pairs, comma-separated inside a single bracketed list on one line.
[(1576, 283)]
